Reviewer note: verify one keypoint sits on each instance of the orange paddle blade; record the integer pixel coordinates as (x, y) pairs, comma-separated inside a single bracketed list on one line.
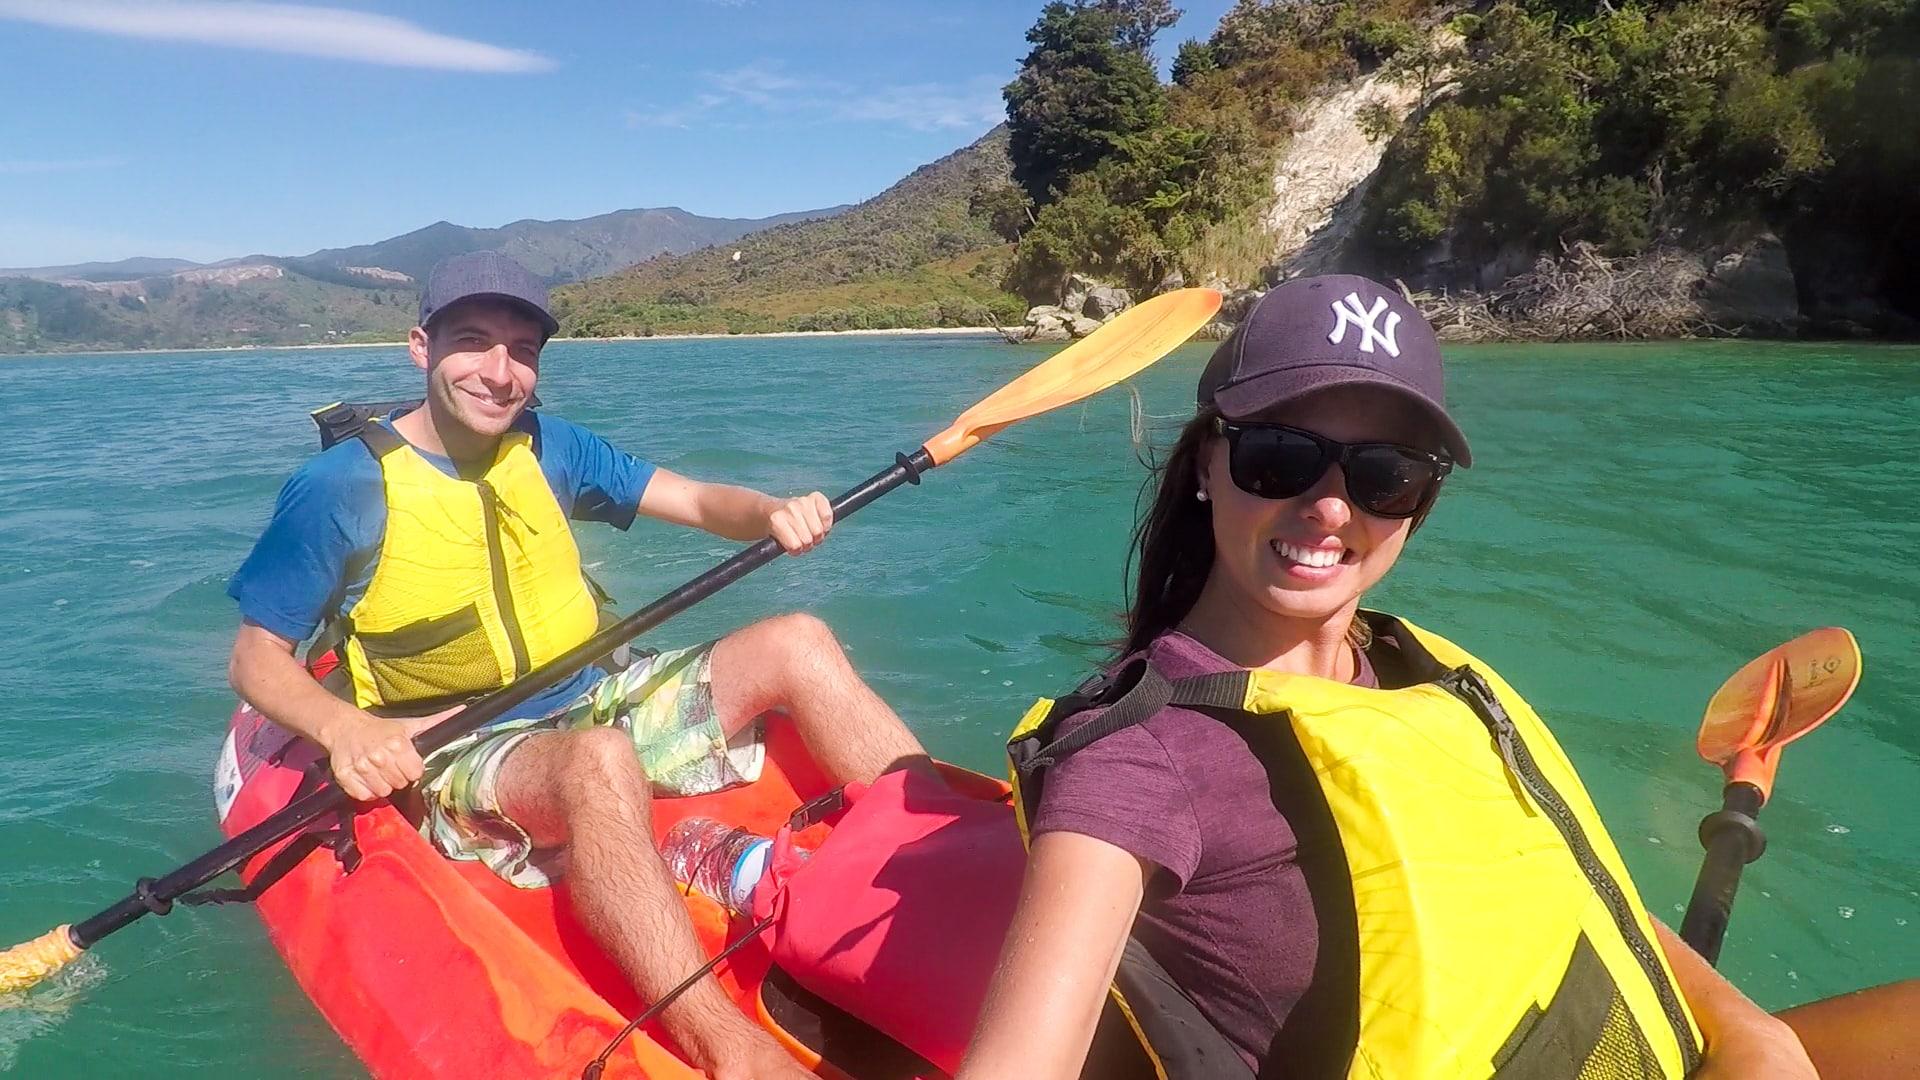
[(1779, 696), (29, 962), (1134, 339)]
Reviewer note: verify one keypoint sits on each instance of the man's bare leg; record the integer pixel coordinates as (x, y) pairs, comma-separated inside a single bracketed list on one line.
[(794, 662), (585, 791), (1866, 1035)]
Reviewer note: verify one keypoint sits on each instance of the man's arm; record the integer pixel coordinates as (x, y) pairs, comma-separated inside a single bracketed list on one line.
[(737, 513), (371, 756)]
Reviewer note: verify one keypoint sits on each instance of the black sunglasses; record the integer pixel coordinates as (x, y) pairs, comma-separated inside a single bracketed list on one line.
[(1274, 461)]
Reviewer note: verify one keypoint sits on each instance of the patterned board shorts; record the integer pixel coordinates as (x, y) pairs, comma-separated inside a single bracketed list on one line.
[(665, 702)]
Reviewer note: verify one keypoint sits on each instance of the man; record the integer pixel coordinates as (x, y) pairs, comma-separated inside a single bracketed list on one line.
[(436, 545)]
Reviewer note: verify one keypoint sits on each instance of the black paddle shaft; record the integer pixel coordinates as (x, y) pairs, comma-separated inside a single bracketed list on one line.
[(156, 895), (1733, 839)]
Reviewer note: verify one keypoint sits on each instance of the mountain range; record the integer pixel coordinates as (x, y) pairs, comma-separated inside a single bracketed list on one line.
[(336, 294)]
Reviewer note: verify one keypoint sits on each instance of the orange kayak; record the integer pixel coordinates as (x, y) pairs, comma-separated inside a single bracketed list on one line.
[(428, 967)]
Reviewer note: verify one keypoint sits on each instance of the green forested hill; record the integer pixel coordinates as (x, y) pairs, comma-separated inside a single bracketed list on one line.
[(921, 253)]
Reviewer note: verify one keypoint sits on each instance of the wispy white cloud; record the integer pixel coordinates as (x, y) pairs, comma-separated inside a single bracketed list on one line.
[(672, 116), (931, 107), (34, 168), (763, 86), (332, 33), (762, 90)]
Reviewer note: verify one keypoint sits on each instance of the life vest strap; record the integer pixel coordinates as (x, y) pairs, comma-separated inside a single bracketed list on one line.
[(380, 439), (1149, 693), (342, 420)]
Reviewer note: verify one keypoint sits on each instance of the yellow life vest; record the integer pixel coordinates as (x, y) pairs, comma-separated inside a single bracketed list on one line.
[(1495, 928), (478, 581)]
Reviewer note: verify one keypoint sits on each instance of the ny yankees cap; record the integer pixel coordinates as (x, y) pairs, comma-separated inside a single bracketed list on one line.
[(1312, 333), (484, 273)]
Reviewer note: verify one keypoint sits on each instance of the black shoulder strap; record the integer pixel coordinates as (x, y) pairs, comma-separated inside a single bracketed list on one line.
[(342, 420), (380, 439), (1150, 693)]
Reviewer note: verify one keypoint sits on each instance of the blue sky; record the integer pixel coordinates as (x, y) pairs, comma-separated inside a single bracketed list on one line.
[(206, 129)]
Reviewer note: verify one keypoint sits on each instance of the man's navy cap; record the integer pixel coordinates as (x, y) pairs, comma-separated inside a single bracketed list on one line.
[(484, 273), (1336, 330)]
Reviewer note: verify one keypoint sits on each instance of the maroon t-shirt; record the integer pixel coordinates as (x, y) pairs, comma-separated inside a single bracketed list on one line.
[(1228, 914)]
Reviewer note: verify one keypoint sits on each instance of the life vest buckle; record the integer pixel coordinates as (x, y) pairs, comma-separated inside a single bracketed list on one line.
[(818, 809)]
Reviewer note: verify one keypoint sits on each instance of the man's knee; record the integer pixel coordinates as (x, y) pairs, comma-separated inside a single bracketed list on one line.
[(601, 763), (800, 634)]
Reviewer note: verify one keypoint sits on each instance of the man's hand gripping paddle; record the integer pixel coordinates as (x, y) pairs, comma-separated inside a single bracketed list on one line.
[(1778, 697), (1120, 349)]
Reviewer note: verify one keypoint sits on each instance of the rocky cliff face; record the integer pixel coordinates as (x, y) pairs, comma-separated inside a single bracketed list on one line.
[(1739, 280), (1323, 175)]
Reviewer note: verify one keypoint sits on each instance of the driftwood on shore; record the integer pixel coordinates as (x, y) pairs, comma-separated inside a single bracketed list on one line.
[(1016, 336), (1742, 288), (1582, 295)]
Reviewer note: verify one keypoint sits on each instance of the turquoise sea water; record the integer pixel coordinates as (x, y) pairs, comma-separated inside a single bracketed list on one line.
[(1644, 519)]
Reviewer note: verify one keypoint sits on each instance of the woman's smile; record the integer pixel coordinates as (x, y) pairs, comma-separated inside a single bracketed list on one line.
[(1312, 562)]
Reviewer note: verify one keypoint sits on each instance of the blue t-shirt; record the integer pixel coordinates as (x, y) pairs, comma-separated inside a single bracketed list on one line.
[(317, 555)]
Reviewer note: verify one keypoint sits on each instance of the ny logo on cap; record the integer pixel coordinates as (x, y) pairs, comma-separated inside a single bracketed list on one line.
[(1350, 310)]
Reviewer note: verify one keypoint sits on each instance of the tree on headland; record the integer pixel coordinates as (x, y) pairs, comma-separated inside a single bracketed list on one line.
[(1140, 21), (1080, 91)]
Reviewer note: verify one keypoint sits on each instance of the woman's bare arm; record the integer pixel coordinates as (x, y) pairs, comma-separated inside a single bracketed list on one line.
[(1077, 905)]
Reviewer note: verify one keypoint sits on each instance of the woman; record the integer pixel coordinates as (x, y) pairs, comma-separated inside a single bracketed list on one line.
[(1296, 838)]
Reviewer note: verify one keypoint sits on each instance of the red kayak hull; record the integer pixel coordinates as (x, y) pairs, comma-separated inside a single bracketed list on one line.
[(429, 967)]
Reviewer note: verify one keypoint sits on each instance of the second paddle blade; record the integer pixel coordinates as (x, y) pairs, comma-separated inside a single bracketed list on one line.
[(1781, 695)]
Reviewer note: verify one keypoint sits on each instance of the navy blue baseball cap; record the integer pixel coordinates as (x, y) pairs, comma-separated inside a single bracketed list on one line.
[(485, 273), (1311, 333)]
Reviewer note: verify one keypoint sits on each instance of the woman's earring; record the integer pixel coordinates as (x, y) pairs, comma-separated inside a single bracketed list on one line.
[(1201, 495)]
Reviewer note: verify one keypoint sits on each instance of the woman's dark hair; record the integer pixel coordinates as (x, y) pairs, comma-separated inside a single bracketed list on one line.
[(1173, 544)]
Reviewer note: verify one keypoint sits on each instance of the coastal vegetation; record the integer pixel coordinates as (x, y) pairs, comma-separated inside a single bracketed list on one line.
[(1544, 125), (1135, 180), (1620, 125)]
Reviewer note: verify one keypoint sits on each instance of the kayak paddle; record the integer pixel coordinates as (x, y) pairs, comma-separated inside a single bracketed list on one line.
[(1779, 696), (1123, 347)]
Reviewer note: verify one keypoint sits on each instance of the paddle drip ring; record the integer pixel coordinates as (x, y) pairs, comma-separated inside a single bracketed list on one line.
[(152, 901)]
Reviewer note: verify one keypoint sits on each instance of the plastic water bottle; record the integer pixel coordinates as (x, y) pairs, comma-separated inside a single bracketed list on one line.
[(719, 860)]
